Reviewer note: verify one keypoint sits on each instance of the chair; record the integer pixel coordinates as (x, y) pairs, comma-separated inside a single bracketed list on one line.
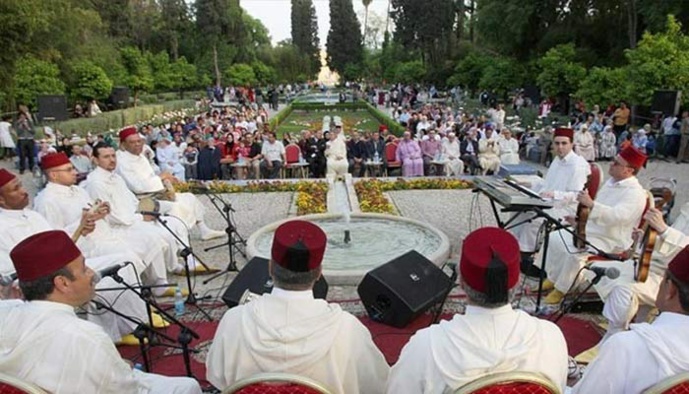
[(510, 383), (292, 162), (677, 384), (391, 156), (12, 385), (595, 179), (277, 383)]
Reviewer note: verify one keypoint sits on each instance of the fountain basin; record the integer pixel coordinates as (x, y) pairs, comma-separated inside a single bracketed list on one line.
[(375, 240)]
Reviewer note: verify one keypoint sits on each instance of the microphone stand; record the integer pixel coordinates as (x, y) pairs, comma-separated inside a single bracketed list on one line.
[(231, 230), (186, 334), (569, 306), (453, 280), (185, 253)]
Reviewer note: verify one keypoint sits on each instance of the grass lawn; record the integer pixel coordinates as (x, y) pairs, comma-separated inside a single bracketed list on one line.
[(313, 120)]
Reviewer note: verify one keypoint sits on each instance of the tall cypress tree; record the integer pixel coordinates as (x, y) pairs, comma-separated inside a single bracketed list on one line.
[(344, 43), (305, 32)]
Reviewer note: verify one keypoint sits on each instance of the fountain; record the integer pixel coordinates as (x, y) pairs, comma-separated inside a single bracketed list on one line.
[(359, 242)]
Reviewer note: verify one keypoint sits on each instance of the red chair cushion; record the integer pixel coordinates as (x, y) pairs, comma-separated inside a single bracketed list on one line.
[(277, 388), (391, 153), (681, 388), (5, 388), (513, 388)]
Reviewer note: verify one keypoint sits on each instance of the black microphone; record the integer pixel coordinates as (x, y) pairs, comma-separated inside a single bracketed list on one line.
[(110, 271), (6, 280), (152, 213), (610, 272)]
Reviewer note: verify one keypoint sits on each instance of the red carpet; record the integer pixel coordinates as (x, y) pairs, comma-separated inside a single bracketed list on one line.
[(580, 335)]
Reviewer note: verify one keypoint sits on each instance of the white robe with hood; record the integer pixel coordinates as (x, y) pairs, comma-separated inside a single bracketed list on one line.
[(446, 356), (290, 331), (633, 361)]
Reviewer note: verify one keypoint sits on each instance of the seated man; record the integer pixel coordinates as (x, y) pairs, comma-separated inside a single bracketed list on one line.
[(491, 337), (431, 148), (624, 295), (409, 153), (356, 154), (468, 149), (451, 153), (509, 148), (290, 331), (168, 159), (44, 342), (633, 361), (489, 153), (273, 153), (141, 179), (566, 177), (81, 162), (613, 215), (336, 153)]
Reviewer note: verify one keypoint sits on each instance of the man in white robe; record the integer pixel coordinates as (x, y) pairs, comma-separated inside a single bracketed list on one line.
[(168, 159), (613, 215), (19, 222), (623, 296), (490, 337), (43, 342), (454, 165), (290, 331), (566, 177), (336, 153), (509, 148), (62, 202), (633, 361), (105, 185), (141, 179), (489, 153)]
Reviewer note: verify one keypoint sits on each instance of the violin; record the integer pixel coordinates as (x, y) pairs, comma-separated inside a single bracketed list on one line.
[(581, 218), (644, 252)]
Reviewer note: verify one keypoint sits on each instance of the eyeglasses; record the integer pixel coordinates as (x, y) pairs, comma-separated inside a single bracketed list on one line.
[(616, 162)]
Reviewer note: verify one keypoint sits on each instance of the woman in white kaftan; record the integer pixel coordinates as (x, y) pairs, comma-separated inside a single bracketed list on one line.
[(608, 144), (451, 153)]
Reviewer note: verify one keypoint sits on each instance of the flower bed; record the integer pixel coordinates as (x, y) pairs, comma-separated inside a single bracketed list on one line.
[(311, 196), (371, 198)]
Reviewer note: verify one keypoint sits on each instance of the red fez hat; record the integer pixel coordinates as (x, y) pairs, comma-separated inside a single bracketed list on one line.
[(5, 177), (52, 160), (298, 246), (382, 128), (486, 251), (42, 254), (679, 266), (126, 132), (564, 132), (634, 157)]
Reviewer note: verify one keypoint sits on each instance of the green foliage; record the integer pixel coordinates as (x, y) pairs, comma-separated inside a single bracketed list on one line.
[(240, 75), (184, 75), (36, 77), (603, 86), (425, 27), (560, 73), (469, 71), (91, 82), (139, 76), (160, 70), (264, 74), (660, 61), (344, 38), (410, 72), (305, 32), (502, 75)]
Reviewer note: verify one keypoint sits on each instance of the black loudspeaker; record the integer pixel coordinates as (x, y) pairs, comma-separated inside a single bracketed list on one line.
[(255, 278), (52, 108), (666, 101), (399, 291), (119, 98)]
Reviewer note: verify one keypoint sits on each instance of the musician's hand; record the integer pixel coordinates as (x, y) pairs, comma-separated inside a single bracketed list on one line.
[(166, 176), (584, 198), (102, 211), (88, 224), (571, 220), (637, 234), (654, 218), (547, 194), (149, 218)]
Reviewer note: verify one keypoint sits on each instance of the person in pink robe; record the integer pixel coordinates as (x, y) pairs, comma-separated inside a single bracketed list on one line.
[(409, 153)]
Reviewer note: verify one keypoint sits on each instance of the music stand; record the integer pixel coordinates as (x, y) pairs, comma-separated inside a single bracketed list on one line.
[(234, 239)]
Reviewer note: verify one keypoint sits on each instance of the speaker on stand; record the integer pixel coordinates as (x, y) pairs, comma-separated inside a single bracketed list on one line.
[(52, 108), (401, 290)]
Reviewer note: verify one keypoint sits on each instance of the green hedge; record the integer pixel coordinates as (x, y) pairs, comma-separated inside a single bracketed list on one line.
[(393, 126), (114, 120), (280, 117)]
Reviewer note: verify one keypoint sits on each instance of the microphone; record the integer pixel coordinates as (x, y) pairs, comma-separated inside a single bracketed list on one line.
[(110, 271), (152, 213), (6, 280), (610, 272)]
